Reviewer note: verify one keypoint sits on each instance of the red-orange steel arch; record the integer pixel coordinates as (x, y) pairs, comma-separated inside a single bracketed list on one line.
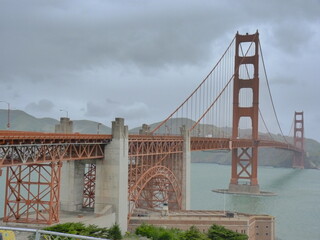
[(161, 173)]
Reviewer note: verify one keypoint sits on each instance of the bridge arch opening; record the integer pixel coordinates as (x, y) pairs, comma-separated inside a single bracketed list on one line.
[(299, 125), (245, 128), (299, 134), (246, 71), (245, 97), (247, 49), (158, 185)]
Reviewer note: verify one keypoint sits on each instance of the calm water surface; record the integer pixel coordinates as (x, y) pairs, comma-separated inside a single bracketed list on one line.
[(296, 207)]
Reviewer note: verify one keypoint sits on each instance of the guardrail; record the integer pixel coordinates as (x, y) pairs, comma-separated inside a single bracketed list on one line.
[(49, 235)]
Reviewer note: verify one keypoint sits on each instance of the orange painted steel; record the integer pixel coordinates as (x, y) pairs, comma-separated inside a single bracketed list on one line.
[(22, 148), (33, 200), (89, 186), (298, 158), (155, 177), (245, 160), (155, 164), (23, 137), (26, 154), (203, 144)]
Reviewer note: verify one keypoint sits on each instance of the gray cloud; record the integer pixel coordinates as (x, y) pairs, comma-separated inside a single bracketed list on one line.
[(55, 38), (133, 111), (139, 60), (96, 110)]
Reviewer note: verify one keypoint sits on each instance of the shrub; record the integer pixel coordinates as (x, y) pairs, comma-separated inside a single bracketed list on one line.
[(193, 234), (216, 232), (113, 233)]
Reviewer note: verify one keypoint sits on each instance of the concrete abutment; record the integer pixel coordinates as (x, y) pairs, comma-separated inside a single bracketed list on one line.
[(72, 172), (112, 176)]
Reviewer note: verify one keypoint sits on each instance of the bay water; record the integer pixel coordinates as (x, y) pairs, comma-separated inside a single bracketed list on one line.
[(296, 205)]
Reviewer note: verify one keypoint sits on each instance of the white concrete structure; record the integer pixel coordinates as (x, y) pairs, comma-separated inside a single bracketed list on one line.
[(112, 176), (72, 175)]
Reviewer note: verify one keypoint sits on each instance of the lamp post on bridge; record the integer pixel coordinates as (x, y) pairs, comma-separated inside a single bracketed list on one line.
[(62, 110), (8, 124)]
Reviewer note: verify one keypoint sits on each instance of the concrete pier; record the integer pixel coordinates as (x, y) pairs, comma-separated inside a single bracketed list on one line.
[(65, 126), (244, 188), (72, 175), (112, 176), (72, 185)]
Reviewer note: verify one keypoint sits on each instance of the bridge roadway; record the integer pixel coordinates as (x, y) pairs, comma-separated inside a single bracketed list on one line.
[(23, 148)]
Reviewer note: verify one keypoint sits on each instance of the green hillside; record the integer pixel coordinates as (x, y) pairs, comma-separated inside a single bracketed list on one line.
[(21, 121), (86, 126)]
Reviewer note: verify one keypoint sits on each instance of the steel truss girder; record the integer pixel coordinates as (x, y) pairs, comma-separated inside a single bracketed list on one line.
[(139, 147), (11, 155), (89, 186), (22, 137), (33, 193), (205, 143)]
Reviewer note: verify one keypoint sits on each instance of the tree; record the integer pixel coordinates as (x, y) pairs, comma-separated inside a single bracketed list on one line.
[(114, 232), (158, 233), (78, 228), (193, 234), (216, 232)]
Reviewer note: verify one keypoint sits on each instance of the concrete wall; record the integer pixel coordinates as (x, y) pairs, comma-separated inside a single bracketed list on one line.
[(72, 175), (72, 186), (65, 126), (112, 176)]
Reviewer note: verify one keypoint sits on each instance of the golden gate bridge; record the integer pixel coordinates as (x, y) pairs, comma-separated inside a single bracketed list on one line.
[(153, 167)]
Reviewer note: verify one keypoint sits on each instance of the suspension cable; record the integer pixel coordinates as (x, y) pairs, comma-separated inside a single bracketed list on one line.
[(220, 92), (260, 113), (273, 107), (291, 128), (195, 89), (265, 125)]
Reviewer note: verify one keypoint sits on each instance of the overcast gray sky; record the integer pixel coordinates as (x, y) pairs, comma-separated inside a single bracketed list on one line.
[(139, 59)]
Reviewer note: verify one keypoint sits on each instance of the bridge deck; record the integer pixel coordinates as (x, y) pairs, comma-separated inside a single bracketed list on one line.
[(22, 148)]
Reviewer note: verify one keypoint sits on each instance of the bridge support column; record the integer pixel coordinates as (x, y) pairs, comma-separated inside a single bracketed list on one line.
[(65, 126), (72, 184), (72, 175), (245, 159), (112, 176), (186, 167), (298, 138)]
